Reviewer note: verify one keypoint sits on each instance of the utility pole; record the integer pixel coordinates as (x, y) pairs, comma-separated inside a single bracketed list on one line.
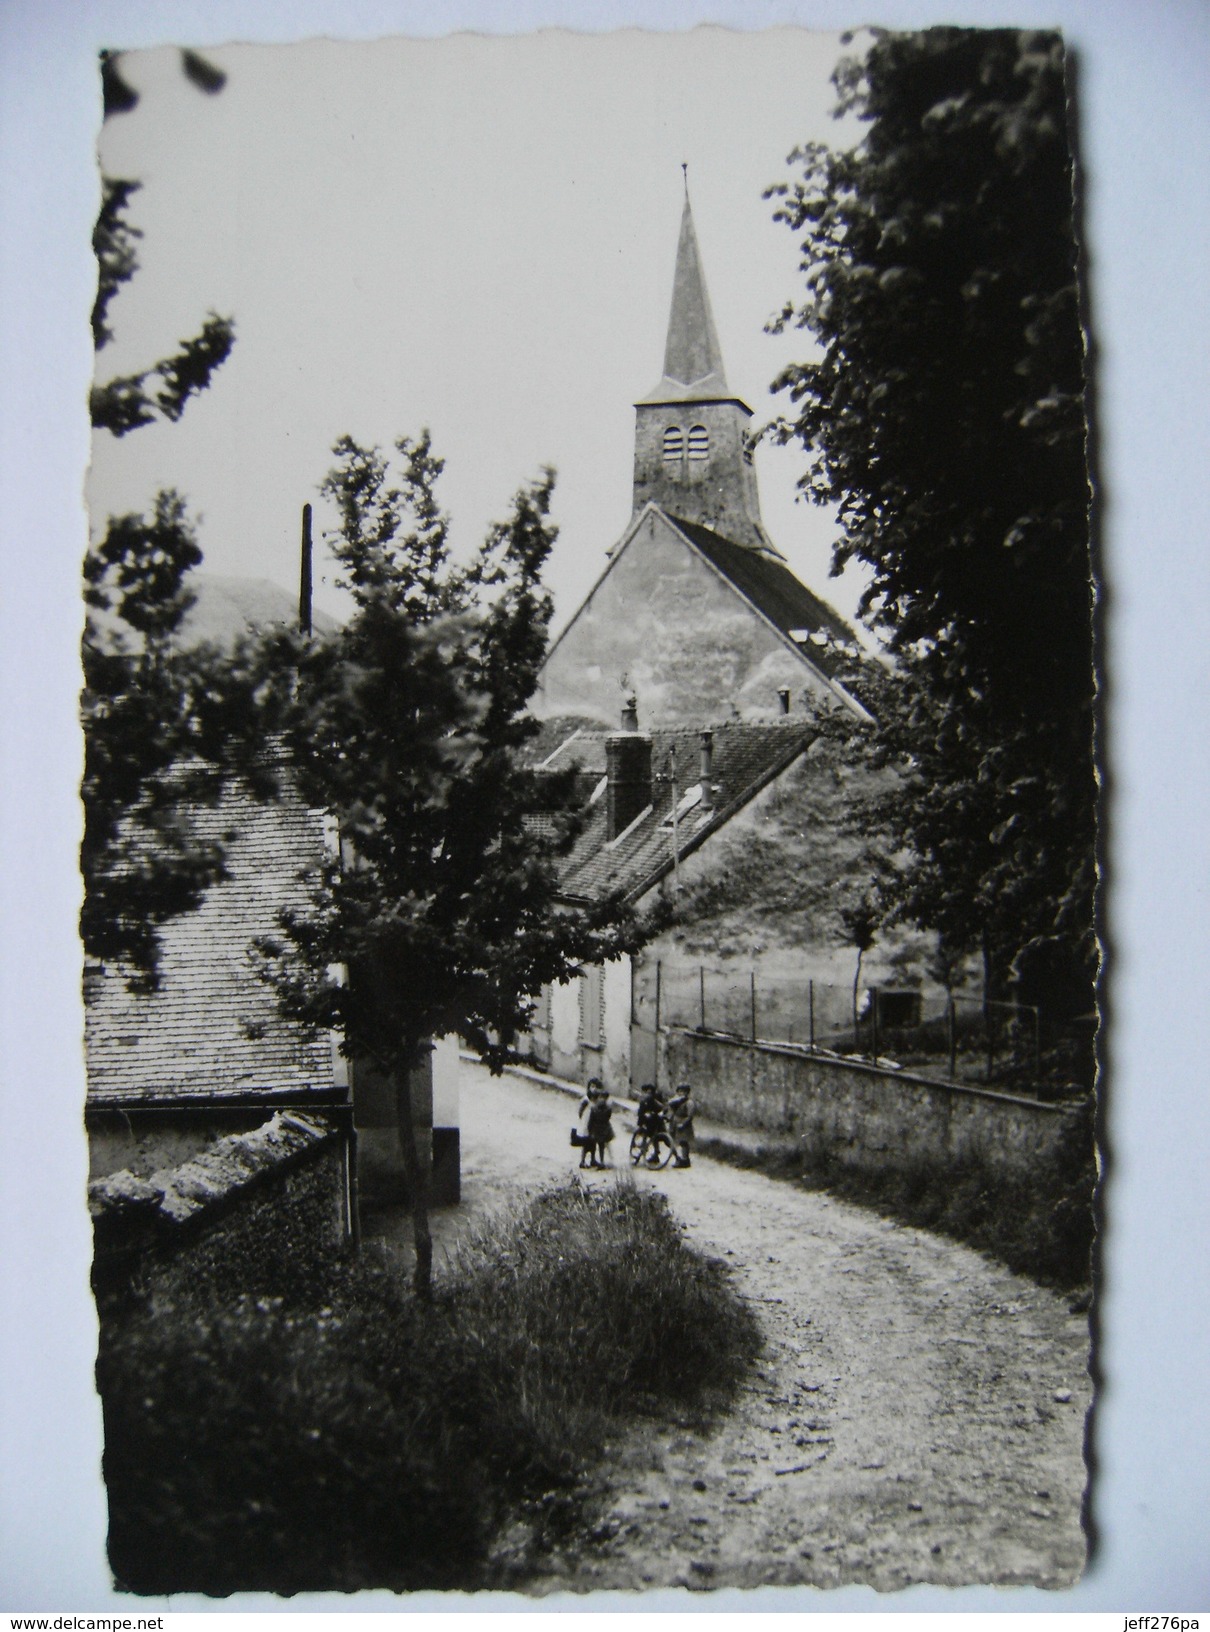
[(676, 848)]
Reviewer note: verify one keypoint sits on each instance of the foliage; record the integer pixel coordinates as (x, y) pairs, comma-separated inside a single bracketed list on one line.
[(336, 1433), (407, 726), (161, 729), (159, 725), (127, 401), (944, 416), (1044, 1229)]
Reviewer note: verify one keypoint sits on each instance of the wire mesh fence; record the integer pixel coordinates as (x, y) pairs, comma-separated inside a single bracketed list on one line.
[(965, 1039)]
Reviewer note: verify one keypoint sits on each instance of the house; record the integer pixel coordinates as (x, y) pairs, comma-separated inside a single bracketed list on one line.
[(658, 803), (696, 612), (207, 1054)]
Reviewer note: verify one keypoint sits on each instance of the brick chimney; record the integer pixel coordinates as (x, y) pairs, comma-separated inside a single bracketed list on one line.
[(628, 774), (706, 769)]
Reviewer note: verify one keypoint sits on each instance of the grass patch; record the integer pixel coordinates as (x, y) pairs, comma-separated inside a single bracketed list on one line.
[(1044, 1232), (336, 1434)]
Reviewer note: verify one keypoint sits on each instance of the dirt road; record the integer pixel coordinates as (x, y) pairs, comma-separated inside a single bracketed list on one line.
[(918, 1414)]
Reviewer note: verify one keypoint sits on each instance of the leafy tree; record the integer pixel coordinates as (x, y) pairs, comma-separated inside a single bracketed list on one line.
[(158, 724), (860, 919), (943, 414), (163, 730), (128, 401), (407, 726)]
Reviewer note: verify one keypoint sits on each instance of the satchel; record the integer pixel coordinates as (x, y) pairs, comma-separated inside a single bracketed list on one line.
[(577, 1138)]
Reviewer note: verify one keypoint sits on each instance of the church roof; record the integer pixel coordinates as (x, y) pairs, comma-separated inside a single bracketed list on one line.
[(773, 590), (693, 358), (746, 758)]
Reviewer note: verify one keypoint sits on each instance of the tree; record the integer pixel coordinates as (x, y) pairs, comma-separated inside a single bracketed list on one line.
[(128, 401), (860, 918), (944, 416), (407, 726), (159, 724)]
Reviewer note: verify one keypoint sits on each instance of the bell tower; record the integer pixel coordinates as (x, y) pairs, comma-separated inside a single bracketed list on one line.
[(692, 456)]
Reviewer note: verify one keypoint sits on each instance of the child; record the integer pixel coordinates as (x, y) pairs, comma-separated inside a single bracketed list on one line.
[(651, 1111), (600, 1124), (680, 1123), (588, 1144)]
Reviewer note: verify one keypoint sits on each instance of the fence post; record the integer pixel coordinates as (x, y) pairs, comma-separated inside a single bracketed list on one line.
[(874, 1022), (701, 983), (953, 1037), (811, 1011), (991, 1042), (752, 983)]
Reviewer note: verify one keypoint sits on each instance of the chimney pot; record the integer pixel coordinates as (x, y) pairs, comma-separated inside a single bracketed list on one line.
[(630, 714)]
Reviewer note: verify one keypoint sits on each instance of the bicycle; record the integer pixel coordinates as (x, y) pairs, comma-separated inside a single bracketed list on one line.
[(651, 1147)]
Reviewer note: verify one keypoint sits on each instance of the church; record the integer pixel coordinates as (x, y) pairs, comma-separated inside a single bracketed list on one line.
[(696, 615), (688, 689)]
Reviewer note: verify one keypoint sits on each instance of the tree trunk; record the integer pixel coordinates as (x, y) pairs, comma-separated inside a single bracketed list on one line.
[(856, 984), (418, 1181)]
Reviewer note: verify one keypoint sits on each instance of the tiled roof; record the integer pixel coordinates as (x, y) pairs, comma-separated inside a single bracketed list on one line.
[(774, 590), (746, 758), (211, 1032)]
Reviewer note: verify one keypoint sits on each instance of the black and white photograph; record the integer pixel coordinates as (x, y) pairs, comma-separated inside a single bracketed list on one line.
[(594, 816)]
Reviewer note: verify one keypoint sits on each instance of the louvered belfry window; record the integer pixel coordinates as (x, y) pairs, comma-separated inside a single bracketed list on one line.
[(674, 444), (699, 443)]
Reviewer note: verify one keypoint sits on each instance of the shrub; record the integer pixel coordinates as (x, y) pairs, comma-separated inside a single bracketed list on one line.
[(1042, 1229), (341, 1435)]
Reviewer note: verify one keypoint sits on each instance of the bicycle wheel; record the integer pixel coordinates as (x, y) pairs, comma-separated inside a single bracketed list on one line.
[(638, 1144), (659, 1153)]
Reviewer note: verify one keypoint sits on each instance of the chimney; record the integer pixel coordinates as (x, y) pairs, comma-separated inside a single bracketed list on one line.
[(630, 714), (628, 780), (706, 770), (304, 579), (783, 697)]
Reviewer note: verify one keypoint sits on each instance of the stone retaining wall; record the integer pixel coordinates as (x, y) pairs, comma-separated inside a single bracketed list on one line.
[(248, 1209), (866, 1116)]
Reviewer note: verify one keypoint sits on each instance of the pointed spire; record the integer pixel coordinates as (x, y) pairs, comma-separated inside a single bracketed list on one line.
[(692, 351)]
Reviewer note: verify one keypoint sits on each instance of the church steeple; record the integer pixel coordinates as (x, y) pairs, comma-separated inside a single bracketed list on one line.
[(692, 455), (693, 359)]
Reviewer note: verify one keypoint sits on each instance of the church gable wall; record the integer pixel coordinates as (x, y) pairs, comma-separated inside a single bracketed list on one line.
[(665, 626)]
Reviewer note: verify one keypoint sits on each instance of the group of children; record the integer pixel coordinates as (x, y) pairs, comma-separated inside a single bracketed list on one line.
[(655, 1115), (674, 1116), (596, 1124)]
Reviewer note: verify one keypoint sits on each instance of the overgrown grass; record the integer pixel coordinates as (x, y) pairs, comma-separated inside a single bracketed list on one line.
[(337, 1434), (1045, 1232)]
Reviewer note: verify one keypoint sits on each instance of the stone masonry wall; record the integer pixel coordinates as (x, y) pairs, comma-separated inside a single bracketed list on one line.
[(864, 1116), (250, 1209)]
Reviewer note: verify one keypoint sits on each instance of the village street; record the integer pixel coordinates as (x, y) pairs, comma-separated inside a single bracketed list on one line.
[(918, 1413)]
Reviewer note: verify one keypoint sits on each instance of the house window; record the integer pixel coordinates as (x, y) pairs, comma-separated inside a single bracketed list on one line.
[(674, 444), (592, 1006), (699, 443), (688, 802)]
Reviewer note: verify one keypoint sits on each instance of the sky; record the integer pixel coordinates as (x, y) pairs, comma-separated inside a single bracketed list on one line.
[(472, 234), (1142, 74)]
